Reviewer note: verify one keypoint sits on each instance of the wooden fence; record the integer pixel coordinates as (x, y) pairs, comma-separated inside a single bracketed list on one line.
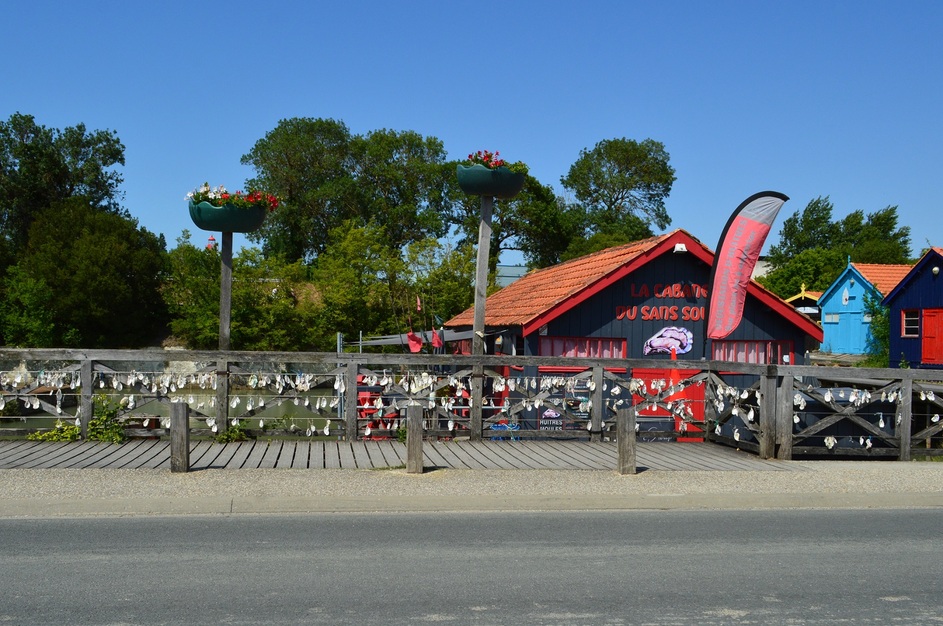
[(775, 411)]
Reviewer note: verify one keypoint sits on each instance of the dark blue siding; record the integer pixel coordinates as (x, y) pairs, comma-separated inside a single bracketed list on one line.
[(922, 290)]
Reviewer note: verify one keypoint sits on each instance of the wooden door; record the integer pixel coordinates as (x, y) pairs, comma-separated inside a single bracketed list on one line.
[(932, 337)]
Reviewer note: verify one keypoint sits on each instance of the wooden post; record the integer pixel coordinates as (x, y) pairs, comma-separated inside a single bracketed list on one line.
[(179, 437), (478, 338), (225, 291), (767, 438), (351, 411), (625, 440), (225, 308), (598, 411), (414, 439), (88, 402), (903, 430), (784, 423), (222, 395), (476, 423)]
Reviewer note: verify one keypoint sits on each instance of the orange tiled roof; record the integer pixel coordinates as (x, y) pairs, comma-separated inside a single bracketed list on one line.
[(543, 294), (883, 277), (540, 290)]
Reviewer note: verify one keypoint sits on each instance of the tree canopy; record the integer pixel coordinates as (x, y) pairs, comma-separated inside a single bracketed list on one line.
[(813, 248), (41, 166), (326, 177), (623, 177), (93, 278)]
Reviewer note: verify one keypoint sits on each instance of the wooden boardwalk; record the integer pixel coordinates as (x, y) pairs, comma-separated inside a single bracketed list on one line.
[(304, 454)]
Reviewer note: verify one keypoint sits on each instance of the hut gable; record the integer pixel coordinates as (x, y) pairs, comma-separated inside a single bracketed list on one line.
[(630, 294), (843, 305), (915, 309)]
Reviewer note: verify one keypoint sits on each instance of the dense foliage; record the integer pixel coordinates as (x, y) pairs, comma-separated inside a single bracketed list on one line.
[(371, 235), (813, 249)]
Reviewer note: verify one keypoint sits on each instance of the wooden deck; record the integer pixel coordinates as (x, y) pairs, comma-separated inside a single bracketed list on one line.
[(303, 454)]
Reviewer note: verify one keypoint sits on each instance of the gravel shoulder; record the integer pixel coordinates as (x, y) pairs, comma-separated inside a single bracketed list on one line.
[(802, 484)]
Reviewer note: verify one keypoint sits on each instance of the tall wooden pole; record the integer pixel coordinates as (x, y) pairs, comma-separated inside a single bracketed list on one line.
[(481, 293), (225, 309)]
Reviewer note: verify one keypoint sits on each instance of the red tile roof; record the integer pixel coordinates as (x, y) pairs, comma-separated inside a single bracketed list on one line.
[(883, 277), (544, 294), (541, 290)]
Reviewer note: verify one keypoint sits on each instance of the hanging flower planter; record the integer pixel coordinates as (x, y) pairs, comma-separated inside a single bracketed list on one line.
[(218, 210), (227, 218), (499, 182)]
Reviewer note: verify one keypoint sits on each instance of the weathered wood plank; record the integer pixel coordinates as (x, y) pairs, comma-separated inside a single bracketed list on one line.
[(450, 455), (198, 451), (602, 454), (243, 450), (432, 457), (568, 458), (346, 455), (75, 455), (332, 455), (302, 450), (508, 457), (273, 450), (15, 457), (117, 454), (157, 453), (255, 455), (482, 452), (316, 455)]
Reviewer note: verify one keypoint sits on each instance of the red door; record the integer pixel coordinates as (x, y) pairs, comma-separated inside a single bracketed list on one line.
[(932, 342)]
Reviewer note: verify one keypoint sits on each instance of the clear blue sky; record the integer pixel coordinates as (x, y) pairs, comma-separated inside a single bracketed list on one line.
[(843, 99)]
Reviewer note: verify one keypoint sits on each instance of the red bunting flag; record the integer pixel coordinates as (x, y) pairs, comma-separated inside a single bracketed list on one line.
[(414, 341)]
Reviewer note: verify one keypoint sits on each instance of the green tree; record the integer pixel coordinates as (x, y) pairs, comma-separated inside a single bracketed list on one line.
[(104, 271), (326, 177), (816, 268), (534, 222), (875, 238), (443, 278), (191, 294), (631, 228), (308, 164), (358, 279), (41, 166), (879, 334), (812, 228), (623, 177), (274, 305), (813, 249), (402, 184), (26, 311)]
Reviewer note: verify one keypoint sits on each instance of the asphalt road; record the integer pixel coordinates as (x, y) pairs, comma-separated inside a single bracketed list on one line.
[(571, 567)]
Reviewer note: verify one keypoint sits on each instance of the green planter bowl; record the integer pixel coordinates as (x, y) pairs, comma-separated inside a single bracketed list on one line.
[(227, 218), (500, 182)]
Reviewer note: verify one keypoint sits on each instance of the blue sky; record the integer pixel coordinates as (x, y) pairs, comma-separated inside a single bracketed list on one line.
[(843, 99)]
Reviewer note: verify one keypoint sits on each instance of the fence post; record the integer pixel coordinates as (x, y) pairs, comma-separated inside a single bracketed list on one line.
[(906, 414), (625, 440), (768, 424), (784, 423), (222, 395), (598, 412), (475, 424), (351, 401), (414, 438), (88, 403), (179, 437)]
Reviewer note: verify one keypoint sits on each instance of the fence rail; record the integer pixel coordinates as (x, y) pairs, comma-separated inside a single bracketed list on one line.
[(774, 411)]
